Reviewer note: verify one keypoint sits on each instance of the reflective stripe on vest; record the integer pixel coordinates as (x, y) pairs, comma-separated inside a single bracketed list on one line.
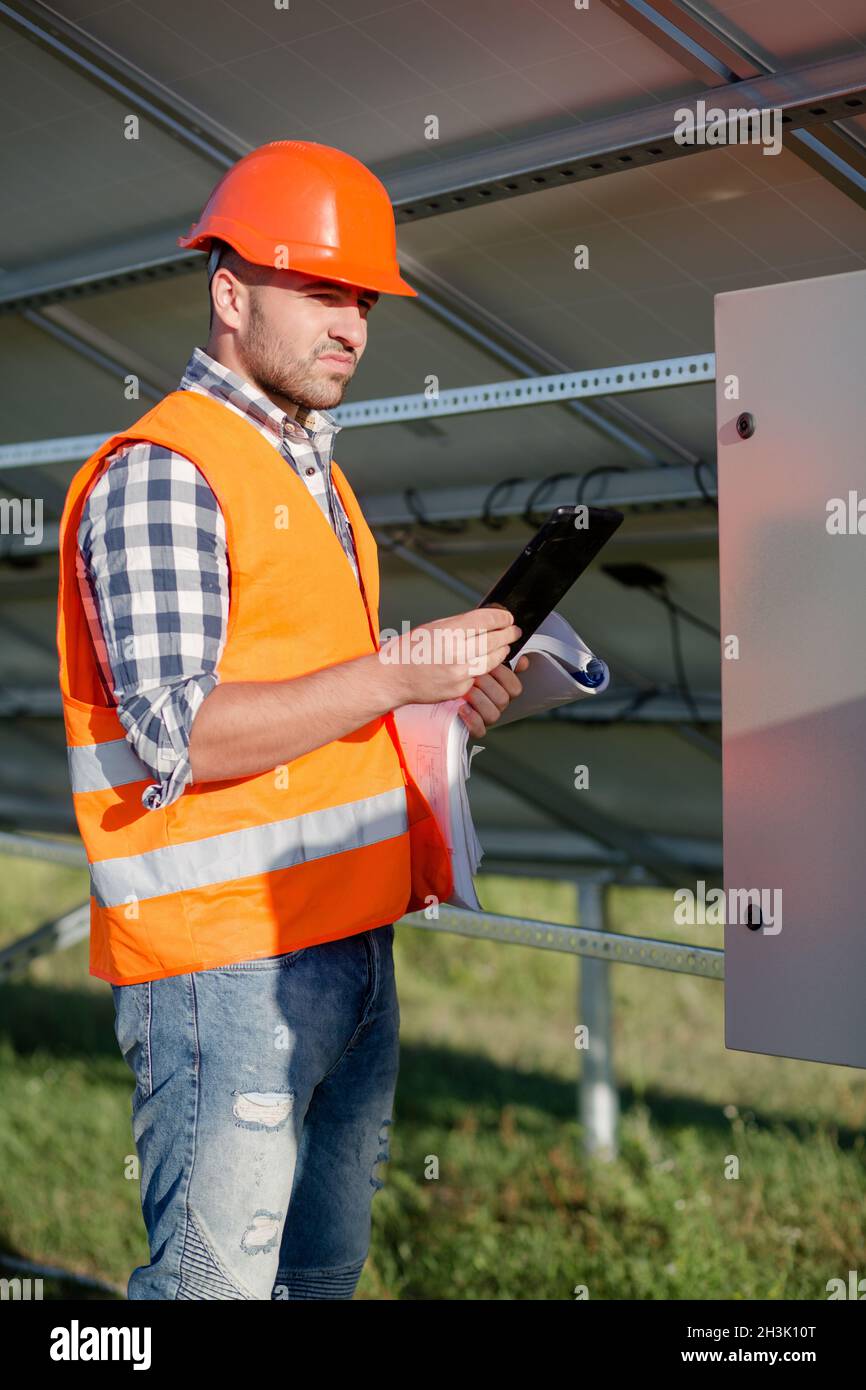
[(259, 849), (93, 767)]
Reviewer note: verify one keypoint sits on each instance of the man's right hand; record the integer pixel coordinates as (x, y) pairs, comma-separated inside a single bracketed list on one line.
[(441, 660)]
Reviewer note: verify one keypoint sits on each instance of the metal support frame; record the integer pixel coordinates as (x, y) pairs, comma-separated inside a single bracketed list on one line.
[(683, 36), (499, 340), (97, 61), (534, 853), (598, 1101), (634, 487), (94, 60), (706, 48), (614, 947), (806, 96), (55, 935), (95, 347), (518, 931), (44, 848), (598, 1104), (185, 123), (657, 374)]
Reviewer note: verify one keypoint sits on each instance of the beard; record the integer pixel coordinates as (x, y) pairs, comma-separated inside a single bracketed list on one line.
[(270, 365)]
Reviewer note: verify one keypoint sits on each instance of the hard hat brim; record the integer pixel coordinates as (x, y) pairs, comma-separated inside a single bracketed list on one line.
[(309, 260)]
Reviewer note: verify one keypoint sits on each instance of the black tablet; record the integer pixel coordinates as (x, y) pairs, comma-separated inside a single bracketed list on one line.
[(546, 568)]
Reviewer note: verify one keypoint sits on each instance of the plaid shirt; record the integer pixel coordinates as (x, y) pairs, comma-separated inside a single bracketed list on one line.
[(154, 576)]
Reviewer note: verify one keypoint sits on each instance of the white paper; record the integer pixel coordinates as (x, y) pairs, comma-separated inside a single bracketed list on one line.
[(435, 741)]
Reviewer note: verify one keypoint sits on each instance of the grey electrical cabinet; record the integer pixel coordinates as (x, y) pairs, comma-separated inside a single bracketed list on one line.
[(791, 418)]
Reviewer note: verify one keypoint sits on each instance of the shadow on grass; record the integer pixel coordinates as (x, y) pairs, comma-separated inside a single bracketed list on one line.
[(69, 1023), (65, 1022), (434, 1079)]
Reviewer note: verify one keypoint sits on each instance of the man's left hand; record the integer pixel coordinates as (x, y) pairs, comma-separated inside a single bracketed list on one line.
[(490, 695)]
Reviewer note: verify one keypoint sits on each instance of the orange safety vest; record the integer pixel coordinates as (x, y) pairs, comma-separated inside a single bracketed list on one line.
[(333, 843)]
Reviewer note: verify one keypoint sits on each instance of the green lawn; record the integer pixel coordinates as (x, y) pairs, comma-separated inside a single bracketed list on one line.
[(488, 1087)]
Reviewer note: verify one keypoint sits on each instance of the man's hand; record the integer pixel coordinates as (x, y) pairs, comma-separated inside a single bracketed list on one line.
[(490, 695), (442, 660)]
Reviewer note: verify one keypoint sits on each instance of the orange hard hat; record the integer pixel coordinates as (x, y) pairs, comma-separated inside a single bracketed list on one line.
[(302, 206)]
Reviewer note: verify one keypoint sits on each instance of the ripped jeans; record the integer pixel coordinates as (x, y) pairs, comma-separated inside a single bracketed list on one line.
[(263, 1095)]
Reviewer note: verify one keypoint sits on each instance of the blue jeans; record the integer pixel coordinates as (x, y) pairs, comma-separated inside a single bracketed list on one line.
[(263, 1095)]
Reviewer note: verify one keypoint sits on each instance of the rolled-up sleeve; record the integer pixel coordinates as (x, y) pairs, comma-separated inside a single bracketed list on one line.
[(153, 545)]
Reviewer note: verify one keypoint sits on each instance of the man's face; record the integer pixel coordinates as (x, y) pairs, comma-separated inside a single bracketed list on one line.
[(302, 338)]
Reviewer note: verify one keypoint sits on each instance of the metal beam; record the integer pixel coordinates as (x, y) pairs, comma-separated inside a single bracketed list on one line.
[(633, 487), (513, 850), (703, 46), (633, 706), (659, 374), (616, 947), (33, 453), (106, 66), (525, 358), (687, 38), (673, 486), (837, 157), (99, 348), (806, 96), (55, 935), (42, 847), (136, 260), (137, 90)]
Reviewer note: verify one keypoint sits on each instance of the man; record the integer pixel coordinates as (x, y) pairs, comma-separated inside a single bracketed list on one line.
[(252, 828)]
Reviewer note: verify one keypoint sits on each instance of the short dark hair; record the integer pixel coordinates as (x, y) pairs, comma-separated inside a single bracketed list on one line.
[(248, 272)]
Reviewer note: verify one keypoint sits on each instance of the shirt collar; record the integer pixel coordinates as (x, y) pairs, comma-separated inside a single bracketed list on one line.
[(204, 373)]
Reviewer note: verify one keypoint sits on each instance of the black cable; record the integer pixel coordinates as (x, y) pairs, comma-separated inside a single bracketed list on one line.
[(594, 473), (495, 523), (682, 680), (544, 484), (635, 703), (694, 619)]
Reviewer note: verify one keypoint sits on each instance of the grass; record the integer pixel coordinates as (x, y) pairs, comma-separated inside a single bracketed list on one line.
[(487, 1097)]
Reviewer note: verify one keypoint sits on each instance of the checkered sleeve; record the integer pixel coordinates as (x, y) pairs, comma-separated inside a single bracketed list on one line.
[(153, 543)]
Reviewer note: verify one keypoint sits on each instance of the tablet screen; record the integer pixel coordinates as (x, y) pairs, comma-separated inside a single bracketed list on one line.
[(548, 566)]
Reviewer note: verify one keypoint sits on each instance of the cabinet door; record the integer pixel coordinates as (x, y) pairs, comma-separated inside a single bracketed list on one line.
[(794, 698)]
